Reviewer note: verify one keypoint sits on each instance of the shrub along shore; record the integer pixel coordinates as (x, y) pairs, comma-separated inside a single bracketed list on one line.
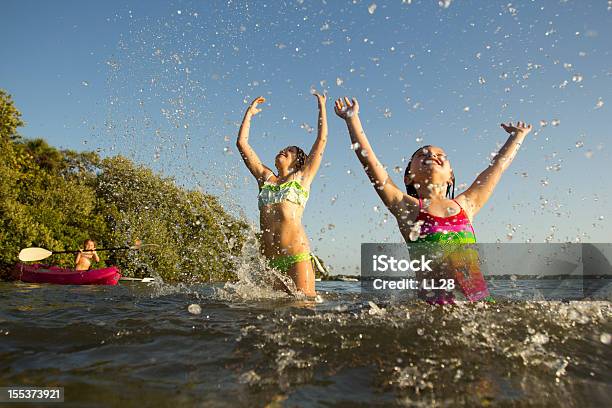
[(55, 199)]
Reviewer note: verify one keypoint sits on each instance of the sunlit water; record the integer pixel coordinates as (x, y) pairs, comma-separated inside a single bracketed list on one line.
[(138, 345)]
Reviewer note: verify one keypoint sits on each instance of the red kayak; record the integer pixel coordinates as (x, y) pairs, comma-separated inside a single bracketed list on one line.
[(37, 273)]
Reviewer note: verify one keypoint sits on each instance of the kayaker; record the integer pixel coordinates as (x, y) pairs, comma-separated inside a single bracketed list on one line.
[(84, 257)]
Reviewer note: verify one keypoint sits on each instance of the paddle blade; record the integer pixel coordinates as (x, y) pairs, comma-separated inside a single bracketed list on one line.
[(34, 254)]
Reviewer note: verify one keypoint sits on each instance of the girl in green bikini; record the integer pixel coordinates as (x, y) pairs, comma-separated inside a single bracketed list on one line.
[(429, 211), (282, 198)]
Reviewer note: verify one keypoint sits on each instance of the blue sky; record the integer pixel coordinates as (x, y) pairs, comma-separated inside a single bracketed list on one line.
[(166, 83)]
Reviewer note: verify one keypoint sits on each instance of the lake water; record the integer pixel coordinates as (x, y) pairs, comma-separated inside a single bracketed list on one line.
[(138, 345)]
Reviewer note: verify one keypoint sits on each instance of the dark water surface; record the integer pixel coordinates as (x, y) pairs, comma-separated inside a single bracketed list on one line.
[(137, 345)]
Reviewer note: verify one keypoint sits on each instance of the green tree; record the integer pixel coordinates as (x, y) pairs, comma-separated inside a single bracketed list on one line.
[(57, 198), (11, 211), (194, 237)]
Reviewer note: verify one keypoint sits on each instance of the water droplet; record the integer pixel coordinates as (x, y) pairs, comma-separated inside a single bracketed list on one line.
[(84, 83), (419, 140), (354, 146), (555, 122), (539, 338), (372, 8), (543, 123), (605, 338), (397, 169), (466, 109), (577, 78), (339, 81), (307, 127), (444, 3), (544, 182), (387, 113), (179, 12), (376, 208), (599, 104), (481, 80), (415, 231), (579, 144), (600, 218), (194, 309)]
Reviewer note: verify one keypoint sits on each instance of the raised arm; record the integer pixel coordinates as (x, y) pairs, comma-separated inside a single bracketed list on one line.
[(313, 161), (255, 166), (482, 188), (390, 194)]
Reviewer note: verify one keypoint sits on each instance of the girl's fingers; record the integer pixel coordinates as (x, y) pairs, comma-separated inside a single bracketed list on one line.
[(348, 103)]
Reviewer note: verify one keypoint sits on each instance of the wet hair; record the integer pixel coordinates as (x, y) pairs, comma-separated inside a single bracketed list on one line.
[(300, 159), (412, 191), (87, 241)]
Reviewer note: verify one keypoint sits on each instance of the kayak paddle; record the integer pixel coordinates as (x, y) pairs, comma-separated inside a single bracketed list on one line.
[(37, 254), (143, 280)]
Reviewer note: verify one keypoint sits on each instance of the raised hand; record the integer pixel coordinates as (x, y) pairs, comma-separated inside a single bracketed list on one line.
[(321, 99), (253, 110), (345, 108), (520, 128)]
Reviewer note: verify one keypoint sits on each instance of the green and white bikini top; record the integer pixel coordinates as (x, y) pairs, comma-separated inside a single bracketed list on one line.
[(290, 190)]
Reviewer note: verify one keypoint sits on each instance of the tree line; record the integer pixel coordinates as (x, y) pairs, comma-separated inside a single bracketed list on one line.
[(56, 199)]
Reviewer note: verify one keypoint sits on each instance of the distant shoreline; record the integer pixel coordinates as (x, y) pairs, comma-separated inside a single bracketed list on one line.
[(489, 277)]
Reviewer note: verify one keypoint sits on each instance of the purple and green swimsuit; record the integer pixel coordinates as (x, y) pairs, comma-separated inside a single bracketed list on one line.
[(453, 230)]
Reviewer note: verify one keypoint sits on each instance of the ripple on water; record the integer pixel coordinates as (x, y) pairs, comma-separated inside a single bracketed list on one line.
[(345, 349)]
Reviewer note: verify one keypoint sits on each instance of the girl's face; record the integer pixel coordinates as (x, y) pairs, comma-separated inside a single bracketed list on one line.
[(286, 158), (430, 165), (90, 245)]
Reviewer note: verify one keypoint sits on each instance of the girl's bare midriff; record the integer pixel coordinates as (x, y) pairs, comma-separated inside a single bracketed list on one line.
[(282, 230)]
